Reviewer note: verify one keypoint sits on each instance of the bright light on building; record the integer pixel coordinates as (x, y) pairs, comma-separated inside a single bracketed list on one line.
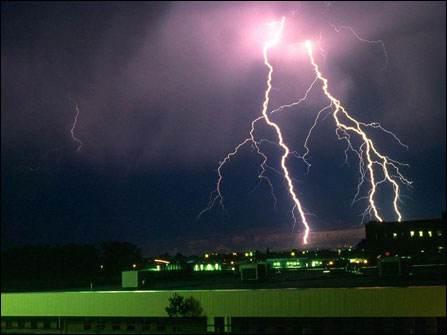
[(315, 263), (430, 233), (412, 233), (206, 255), (292, 253), (421, 233), (134, 266), (161, 261), (394, 235)]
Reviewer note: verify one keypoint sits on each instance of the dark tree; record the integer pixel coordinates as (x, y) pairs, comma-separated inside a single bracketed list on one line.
[(176, 305), (181, 307), (117, 256), (192, 308)]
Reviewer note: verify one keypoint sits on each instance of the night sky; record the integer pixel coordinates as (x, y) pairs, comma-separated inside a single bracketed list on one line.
[(166, 90)]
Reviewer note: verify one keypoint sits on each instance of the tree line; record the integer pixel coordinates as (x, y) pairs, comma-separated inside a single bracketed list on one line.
[(66, 266)]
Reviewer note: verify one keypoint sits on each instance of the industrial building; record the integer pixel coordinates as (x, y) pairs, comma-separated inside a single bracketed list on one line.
[(372, 310), (390, 284), (406, 238)]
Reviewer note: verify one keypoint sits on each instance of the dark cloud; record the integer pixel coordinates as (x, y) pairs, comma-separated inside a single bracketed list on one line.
[(165, 90)]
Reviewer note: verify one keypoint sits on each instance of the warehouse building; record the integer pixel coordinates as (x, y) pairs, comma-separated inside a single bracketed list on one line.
[(364, 310)]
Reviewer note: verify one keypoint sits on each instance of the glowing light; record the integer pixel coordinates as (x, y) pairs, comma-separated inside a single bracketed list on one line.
[(378, 42), (161, 261), (284, 157), (217, 194), (308, 44), (73, 127), (368, 149)]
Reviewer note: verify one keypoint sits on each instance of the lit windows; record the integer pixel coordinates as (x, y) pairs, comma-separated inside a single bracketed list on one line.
[(316, 263), (276, 265), (394, 235), (430, 233), (412, 233), (421, 233), (292, 264)]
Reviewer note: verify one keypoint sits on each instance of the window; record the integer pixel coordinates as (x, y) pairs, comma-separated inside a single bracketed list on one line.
[(412, 233), (394, 235), (430, 233), (421, 233)]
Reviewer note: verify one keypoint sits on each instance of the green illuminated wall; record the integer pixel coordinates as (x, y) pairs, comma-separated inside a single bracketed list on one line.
[(321, 302)]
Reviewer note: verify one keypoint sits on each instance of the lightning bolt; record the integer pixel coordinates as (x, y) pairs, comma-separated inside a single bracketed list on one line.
[(73, 127), (216, 195), (297, 204), (73, 136), (361, 39), (349, 125)]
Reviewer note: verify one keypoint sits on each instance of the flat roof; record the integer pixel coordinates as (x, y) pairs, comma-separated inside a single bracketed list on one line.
[(418, 301)]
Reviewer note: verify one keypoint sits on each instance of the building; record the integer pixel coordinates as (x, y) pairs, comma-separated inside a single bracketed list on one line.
[(369, 310), (406, 238)]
